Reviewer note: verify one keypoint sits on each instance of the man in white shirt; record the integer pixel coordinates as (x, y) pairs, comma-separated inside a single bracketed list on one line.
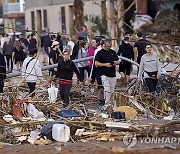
[(4, 39), (71, 43), (31, 70)]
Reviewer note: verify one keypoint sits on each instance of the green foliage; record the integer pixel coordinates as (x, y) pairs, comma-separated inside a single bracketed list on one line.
[(98, 25)]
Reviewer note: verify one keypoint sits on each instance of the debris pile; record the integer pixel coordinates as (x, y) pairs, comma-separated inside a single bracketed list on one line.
[(36, 120)]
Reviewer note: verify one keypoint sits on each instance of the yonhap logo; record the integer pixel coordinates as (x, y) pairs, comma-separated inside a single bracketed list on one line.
[(130, 140), (160, 140)]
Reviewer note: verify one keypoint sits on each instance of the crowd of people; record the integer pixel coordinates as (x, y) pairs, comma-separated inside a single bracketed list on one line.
[(100, 70)]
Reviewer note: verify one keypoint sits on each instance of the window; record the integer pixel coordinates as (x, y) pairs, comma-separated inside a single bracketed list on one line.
[(45, 18), (63, 17), (32, 21)]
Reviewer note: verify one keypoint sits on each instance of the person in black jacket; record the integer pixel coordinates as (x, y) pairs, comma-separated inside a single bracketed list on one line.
[(126, 50), (65, 70), (7, 52), (2, 72), (76, 48), (139, 47)]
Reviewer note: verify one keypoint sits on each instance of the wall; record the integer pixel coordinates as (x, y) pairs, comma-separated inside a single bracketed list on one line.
[(53, 17), (42, 3), (54, 13)]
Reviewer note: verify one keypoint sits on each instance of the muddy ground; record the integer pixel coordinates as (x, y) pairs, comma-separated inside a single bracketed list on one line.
[(82, 148)]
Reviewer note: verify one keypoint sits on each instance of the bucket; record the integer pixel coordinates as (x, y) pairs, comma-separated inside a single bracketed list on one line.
[(17, 112), (60, 132)]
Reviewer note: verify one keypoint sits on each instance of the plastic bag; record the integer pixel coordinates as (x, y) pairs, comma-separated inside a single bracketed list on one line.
[(52, 92), (33, 112)]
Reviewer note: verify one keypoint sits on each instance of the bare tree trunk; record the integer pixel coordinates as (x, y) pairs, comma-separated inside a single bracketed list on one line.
[(79, 14)]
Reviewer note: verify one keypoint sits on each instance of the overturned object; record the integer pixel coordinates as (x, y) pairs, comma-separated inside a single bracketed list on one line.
[(118, 115), (68, 113)]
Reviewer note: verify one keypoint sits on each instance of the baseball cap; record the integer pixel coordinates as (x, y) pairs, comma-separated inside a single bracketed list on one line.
[(54, 43)]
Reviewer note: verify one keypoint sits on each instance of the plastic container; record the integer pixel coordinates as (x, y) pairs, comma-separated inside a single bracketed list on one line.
[(61, 132)]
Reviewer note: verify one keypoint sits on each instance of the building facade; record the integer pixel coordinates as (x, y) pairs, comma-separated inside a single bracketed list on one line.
[(56, 15), (13, 15)]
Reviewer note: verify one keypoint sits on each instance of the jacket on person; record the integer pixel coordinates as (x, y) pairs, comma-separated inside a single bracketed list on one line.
[(31, 70), (2, 67), (66, 69), (8, 48)]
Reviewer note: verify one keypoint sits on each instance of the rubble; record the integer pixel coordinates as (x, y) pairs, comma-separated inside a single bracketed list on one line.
[(82, 118)]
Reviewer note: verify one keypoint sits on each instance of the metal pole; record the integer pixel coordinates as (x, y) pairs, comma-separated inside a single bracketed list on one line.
[(18, 73)]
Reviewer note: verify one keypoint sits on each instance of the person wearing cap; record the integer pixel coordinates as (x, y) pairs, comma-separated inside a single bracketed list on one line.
[(54, 56), (65, 70)]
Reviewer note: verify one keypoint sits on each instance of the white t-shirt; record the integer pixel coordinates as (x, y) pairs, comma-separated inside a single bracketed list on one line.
[(71, 44), (3, 40)]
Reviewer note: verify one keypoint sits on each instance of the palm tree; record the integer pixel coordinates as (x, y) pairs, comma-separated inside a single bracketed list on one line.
[(79, 14)]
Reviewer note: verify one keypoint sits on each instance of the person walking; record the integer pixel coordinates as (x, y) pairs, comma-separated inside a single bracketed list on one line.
[(32, 42), (83, 65), (54, 56), (76, 48), (31, 70), (106, 59), (71, 43), (18, 54), (152, 68), (7, 52), (139, 49), (24, 40), (2, 72), (4, 39), (65, 70), (96, 75), (90, 53), (126, 50)]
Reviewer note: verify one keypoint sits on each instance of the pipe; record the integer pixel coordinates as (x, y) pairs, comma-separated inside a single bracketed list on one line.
[(18, 73)]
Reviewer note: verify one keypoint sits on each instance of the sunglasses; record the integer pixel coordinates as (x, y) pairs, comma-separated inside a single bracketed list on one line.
[(148, 47)]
